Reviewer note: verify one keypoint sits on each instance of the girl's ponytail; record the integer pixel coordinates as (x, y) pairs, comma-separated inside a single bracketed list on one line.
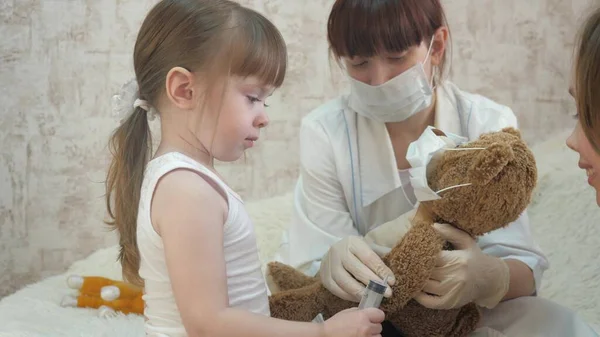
[(131, 148)]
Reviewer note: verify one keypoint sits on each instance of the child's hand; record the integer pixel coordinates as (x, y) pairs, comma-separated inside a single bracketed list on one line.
[(355, 323)]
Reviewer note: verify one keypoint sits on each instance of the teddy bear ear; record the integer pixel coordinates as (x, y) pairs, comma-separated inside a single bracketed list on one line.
[(512, 131), (489, 162)]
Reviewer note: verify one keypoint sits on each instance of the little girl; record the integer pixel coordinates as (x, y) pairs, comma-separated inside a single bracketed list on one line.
[(205, 67)]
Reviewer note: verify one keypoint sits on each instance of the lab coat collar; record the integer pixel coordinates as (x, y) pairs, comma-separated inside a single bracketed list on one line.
[(376, 161), (447, 116)]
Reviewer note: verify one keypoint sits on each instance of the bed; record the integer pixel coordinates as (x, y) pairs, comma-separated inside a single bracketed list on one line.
[(564, 220)]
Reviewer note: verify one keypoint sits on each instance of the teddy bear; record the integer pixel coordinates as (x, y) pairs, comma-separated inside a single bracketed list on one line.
[(107, 295), (502, 174)]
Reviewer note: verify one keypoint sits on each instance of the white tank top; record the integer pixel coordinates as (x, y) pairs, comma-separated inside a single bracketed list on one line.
[(245, 282)]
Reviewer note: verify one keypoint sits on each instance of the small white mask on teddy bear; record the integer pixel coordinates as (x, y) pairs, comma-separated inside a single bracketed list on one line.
[(423, 155)]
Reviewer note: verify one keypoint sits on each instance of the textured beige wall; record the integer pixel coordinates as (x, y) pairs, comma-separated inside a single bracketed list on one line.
[(62, 60)]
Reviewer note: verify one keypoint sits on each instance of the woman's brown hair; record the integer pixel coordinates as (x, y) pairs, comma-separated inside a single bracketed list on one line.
[(367, 27), (587, 78), (211, 37)]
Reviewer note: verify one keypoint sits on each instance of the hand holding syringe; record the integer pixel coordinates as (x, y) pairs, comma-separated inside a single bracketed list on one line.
[(373, 294), (371, 298)]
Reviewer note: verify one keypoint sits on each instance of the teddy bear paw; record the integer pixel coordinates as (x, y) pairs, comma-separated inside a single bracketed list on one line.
[(106, 312), (75, 282), (110, 293), (69, 301)]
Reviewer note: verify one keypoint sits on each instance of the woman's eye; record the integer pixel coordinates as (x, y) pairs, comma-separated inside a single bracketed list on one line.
[(359, 64)]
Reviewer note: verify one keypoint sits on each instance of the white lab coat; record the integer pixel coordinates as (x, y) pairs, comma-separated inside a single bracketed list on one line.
[(349, 182)]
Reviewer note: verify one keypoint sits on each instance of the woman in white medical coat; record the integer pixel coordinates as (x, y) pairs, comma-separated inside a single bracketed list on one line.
[(354, 173)]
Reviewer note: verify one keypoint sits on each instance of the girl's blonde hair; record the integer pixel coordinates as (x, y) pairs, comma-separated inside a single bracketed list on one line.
[(213, 38), (587, 78)]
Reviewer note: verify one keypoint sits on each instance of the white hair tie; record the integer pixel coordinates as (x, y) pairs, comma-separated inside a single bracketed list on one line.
[(140, 103), (127, 100)]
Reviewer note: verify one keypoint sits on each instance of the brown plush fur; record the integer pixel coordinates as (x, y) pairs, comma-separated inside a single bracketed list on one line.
[(503, 176)]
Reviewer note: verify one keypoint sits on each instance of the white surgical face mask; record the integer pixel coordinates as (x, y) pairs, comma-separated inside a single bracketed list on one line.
[(422, 155), (395, 100)]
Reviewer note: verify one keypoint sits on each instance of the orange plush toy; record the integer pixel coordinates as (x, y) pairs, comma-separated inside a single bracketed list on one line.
[(109, 296)]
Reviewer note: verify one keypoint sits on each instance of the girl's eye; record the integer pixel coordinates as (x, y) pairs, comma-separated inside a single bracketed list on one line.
[(255, 99)]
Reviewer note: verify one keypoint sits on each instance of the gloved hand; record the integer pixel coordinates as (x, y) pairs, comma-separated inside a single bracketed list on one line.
[(383, 238), (350, 257), (464, 275)]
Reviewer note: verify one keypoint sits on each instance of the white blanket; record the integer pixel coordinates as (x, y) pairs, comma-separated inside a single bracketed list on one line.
[(564, 218)]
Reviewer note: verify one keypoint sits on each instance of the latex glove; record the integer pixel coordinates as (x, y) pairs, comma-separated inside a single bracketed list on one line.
[(349, 262), (464, 275), (383, 238)]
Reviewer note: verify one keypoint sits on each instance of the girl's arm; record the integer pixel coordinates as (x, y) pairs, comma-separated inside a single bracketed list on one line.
[(189, 215)]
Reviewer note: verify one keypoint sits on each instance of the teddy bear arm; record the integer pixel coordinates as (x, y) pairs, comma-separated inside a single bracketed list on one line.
[(282, 277), (412, 261), (416, 320), (466, 321), (302, 304)]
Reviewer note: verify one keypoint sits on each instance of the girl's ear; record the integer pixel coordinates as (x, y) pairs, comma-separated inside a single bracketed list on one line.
[(438, 46), (180, 88)]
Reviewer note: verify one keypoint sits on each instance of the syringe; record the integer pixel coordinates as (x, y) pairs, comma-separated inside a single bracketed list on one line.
[(373, 294), (318, 318), (370, 299)]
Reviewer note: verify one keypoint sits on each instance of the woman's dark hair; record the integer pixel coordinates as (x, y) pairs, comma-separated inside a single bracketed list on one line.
[(367, 27)]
